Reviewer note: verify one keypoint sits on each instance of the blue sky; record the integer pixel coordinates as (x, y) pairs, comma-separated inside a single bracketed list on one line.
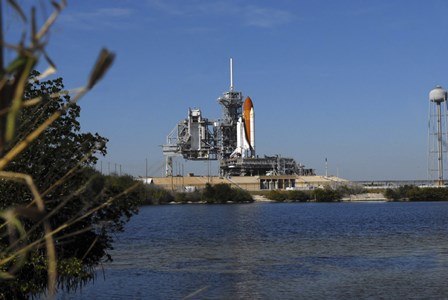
[(347, 80)]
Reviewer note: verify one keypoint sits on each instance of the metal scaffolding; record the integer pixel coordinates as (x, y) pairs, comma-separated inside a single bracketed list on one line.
[(197, 138)]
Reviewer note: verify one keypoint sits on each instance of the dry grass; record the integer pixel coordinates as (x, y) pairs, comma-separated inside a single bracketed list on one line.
[(12, 84)]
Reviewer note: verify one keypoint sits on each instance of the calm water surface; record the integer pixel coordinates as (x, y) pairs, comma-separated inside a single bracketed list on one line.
[(279, 251)]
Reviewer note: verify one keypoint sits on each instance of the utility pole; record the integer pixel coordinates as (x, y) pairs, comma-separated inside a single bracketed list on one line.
[(146, 179)]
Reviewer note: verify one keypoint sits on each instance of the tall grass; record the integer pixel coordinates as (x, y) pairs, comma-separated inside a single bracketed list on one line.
[(13, 79)]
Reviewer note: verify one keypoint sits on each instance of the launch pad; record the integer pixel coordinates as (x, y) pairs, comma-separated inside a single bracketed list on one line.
[(230, 140), (268, 165)]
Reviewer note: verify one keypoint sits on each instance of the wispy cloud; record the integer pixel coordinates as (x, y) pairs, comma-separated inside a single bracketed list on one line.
[(113, 12), (266, 17), (193, 8), (168, 7), (235, 11), (111, 17), (249, 15), (372, 9)]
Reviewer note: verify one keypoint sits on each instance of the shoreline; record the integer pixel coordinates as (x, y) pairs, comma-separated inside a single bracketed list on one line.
[(364, 197)]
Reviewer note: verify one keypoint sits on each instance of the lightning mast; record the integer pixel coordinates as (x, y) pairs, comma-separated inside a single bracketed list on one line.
[(231, 74)]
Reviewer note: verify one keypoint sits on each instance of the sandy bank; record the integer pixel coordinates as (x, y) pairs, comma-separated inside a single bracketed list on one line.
[(365, 197)]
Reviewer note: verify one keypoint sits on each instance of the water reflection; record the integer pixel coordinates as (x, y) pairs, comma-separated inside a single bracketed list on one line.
[(271, 251)]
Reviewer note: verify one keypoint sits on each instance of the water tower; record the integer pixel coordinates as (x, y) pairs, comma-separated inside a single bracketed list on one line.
[(437, 148)]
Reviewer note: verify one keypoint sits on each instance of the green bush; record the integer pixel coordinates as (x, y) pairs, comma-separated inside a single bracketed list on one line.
[(391, 194), (280, 195), (427, 194), (242, 195), (347, 190), (223, 193), (276, 195), (300, 196), (155, 195), (413, 193), (180, 197), (326, 195)]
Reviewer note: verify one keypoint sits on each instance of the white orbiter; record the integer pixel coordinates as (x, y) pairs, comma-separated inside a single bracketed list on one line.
[(245, 132)]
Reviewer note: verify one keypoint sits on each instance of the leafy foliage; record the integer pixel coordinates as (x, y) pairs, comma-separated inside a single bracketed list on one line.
[(293, 196), (414, 193), (188, 197), (84, 205), (318, 195), (223, 193), (155, 195), (326, 195), (277, 195), (62, 140), (299, 196), (219, 193), (347, 190)]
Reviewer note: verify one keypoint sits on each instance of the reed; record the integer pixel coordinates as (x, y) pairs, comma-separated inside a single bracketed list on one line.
[(26, 231)]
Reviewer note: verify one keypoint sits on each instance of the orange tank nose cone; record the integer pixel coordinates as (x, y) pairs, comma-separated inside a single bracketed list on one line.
[(247, 107), (247, 104)]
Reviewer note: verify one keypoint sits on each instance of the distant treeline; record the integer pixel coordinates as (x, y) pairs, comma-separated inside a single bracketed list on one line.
[(211, 194), (224, 193), (414, 193), (404, 193)]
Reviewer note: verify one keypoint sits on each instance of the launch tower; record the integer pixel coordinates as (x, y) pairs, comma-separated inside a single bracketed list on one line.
[(231, 102), (231, 140)]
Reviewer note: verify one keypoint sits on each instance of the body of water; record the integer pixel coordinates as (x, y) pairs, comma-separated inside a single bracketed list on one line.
[(279, 251)]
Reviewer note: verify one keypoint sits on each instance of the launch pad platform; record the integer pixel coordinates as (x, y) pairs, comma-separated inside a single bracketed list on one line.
[(267, 165), (249, 183)]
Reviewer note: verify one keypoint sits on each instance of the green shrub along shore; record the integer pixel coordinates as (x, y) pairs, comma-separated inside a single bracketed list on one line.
[(414, 193), (404, 193), (224, 193), (318, 195), (212, 194)]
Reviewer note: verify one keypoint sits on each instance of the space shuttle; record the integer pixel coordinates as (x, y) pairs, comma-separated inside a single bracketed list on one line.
[(245, 132)]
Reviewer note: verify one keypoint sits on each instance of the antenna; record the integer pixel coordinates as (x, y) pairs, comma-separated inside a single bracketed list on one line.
[(231, 74)]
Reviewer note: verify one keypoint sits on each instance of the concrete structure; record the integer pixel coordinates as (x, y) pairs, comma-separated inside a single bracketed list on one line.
[(267, 165), (249, 183)]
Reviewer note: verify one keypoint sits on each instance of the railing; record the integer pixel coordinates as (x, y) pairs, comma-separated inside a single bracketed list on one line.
[(393, 183)]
